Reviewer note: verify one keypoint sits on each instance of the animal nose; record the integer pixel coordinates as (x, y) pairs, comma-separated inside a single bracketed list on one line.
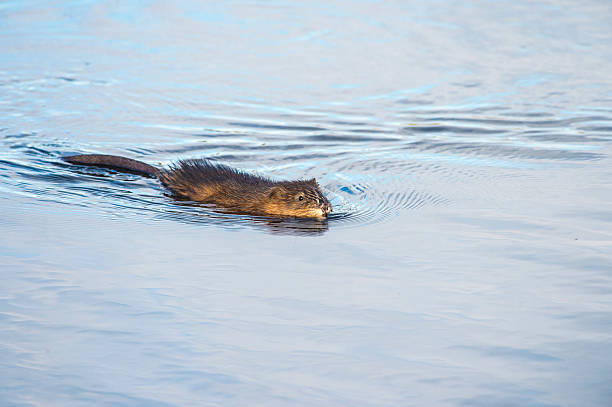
[(327, 208)]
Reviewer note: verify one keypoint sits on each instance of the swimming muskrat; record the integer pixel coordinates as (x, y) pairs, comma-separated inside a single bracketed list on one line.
[(205, 182)]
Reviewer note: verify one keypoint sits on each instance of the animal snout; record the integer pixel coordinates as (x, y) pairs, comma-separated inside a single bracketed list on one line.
[(326, 207)]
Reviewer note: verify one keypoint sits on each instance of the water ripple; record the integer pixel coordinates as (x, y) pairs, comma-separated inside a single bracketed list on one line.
[(370, 169)]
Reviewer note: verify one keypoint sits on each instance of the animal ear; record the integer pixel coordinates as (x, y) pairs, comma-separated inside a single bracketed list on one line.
[(275, 192), (313, 181)]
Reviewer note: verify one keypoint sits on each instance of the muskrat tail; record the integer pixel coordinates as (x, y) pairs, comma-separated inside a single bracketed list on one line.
[(115, 162)]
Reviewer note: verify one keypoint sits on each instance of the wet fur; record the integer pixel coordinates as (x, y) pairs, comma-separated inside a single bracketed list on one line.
[(206, 182)]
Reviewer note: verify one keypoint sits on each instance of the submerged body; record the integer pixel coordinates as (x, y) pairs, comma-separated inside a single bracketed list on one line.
[(205, 182)]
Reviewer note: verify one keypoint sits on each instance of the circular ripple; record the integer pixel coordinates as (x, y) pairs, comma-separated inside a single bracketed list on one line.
[(371, 170)]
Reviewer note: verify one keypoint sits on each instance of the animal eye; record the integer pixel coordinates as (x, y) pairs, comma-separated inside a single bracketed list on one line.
[(301, 198)]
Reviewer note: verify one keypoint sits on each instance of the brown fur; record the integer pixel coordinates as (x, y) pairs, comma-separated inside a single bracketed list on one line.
[(237, 191)]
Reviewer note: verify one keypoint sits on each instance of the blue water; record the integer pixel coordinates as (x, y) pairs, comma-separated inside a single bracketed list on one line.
[(466, 148)]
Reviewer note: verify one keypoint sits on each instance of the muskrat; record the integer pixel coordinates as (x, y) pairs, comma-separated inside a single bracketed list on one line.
[(211, 183)]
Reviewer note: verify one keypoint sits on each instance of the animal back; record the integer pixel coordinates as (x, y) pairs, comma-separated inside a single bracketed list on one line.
[(203, 181)]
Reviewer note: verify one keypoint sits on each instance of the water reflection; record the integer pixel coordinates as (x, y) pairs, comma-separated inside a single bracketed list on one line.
[(216, 216)]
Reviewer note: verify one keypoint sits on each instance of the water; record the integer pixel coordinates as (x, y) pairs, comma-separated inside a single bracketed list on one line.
[(466, 148)]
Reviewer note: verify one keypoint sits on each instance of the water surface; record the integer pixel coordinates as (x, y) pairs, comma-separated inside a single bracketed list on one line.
[(466, 148)]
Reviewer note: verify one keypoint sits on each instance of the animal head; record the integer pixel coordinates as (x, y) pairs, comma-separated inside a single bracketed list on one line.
[(302, 199)]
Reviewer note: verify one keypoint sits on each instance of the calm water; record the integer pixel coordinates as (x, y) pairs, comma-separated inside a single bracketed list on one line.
[(466, 148)]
